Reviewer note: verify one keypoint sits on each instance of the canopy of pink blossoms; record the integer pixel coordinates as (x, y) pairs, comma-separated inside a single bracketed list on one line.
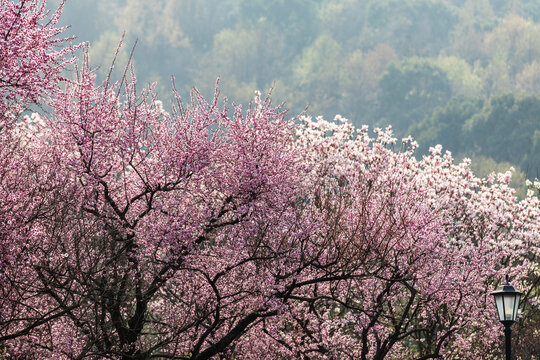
[(216, 231)]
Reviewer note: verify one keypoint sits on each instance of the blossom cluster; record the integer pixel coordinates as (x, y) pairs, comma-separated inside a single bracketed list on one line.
[(32, 53)]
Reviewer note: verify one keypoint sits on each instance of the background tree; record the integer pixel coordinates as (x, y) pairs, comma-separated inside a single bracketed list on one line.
[(445, 125), (472, 127), (246, 59), (294, 18), (516, 117), (466, 80), (413, 28), (343, 20), (359, 79), (409, 90)]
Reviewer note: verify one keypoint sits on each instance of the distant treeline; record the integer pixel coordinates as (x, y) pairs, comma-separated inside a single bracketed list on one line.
[(463, 73)]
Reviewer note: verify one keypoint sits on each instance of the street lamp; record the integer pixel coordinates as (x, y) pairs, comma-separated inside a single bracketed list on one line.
[(507, 302)]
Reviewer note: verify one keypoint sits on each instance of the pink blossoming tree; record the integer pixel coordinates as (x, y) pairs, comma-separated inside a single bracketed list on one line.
[(32, 55), (128, 232)]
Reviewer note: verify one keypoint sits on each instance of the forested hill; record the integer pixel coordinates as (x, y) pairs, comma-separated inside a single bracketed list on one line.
[(463, 73)]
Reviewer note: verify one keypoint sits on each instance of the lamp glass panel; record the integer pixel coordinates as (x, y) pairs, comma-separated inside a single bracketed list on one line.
[(516, 305), (509, 301), (500, 306)]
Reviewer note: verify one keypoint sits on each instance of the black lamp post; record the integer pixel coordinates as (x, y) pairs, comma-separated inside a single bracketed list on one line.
[(507, 302)]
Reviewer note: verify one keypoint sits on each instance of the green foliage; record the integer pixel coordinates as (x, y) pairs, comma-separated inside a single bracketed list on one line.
[(464, 79), (509, 49), (483, 166), (243, 57), (507, 124), (419, 27), (444, 126), (529, 9), (529, 79), (532, 160), (410, 90), (506, 128), (344, 20), (293, 17), (316, 72), (318, 61)]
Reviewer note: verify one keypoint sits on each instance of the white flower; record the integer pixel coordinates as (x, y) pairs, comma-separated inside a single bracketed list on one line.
[(159, 107), (436, 150)]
